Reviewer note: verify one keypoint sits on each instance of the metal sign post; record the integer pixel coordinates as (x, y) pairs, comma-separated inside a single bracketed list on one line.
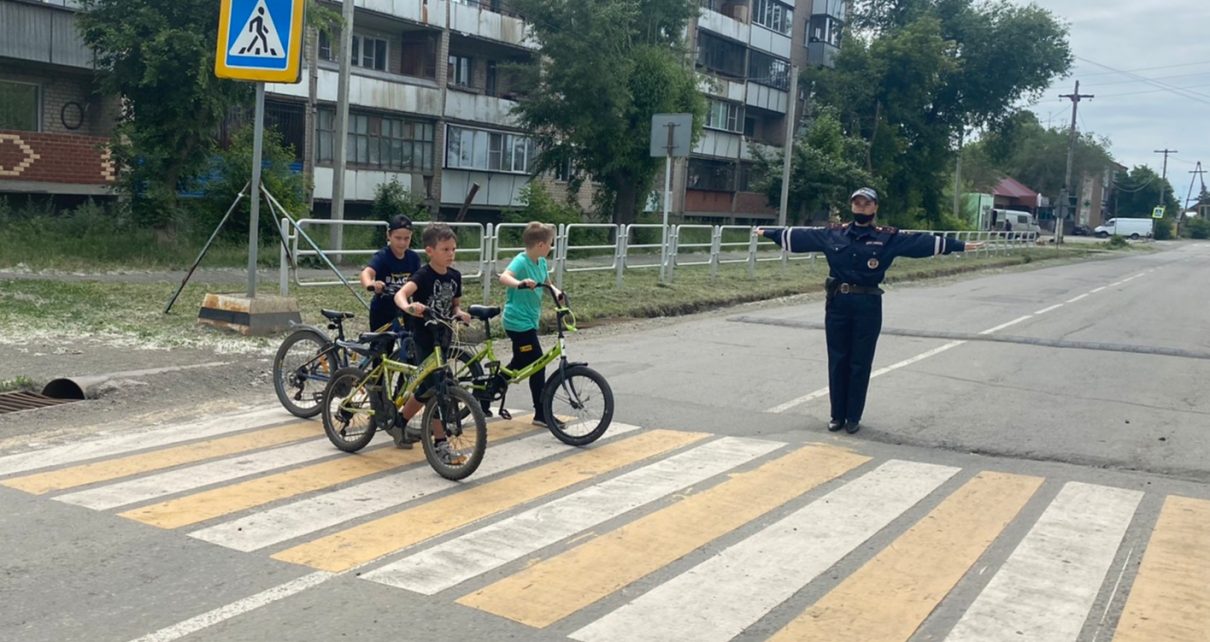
[(261, 41), (670, 137)]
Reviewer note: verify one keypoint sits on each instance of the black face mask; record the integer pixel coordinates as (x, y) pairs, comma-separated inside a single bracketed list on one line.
[(863, 219)]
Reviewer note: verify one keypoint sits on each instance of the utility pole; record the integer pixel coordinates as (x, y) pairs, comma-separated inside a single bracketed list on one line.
[(1197, 173), (788, 150), (1163, 181), (340, 145), (958, 175), (1075, 97)]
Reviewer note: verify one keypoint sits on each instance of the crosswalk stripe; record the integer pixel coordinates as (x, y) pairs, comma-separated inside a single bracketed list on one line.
[(143, 489), (128, 441), (450, 563), (719, 598), (205, 505), (551, 590), (366, 542), (1170, 599), (890, 596), (1046, 588), (306, 516), (40, 483)]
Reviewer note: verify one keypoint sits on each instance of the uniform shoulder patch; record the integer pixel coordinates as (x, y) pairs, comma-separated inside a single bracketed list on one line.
[(887, 229)]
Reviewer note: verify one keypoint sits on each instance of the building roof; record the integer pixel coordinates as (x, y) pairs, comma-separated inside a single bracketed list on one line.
[(1011, 188)]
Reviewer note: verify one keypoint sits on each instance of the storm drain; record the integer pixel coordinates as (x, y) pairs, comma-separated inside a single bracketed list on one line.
[(22, 400)]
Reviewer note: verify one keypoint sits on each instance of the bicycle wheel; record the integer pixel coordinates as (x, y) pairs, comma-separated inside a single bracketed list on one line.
[(578, 405), (301, 369), (348, 412), (458, 414)]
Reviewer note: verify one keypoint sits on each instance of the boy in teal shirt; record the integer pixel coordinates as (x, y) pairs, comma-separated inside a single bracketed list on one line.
[(523, 306)]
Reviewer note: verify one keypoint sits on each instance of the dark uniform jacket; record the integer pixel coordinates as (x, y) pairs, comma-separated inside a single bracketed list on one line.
[(861, 255)]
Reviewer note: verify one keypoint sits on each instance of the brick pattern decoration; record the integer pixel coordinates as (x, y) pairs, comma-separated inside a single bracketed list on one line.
[(55, 158)]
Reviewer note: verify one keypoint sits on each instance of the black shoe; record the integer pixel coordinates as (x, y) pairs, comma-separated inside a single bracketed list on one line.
[(852, 426), (401, 434), (835, 424)]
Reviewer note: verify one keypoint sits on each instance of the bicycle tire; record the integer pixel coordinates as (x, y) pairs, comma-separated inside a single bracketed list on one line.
[(346, 389), (448, 409), (296, 373), (588, 414)]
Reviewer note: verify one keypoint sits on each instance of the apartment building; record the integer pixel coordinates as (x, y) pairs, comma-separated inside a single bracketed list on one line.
[(54, 126)]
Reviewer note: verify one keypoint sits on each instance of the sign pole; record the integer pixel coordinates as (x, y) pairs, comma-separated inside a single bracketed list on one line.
[(667, 202), (258, 136)]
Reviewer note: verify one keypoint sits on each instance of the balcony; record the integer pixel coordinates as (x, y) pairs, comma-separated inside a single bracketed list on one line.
[(724, 25), (42, 34), (719, 144), (720, 87), (770, 41), (465, 105), (478, 21), (378, 91), (767, 98), (428, 12), (822, 54)]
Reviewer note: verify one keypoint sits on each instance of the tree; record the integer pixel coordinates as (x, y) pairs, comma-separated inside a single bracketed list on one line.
[(920, 73), (603, 69), (1020, 147), (825, 168), (1141, 191)]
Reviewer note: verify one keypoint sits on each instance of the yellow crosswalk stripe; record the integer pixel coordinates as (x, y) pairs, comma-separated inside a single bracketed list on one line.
[(555, 588), (1170, 599), (205, 505), (40, 483), (889, 597), (346, 549)]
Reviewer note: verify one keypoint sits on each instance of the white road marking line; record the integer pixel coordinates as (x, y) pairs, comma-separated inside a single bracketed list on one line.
[(1077, 298), (1095, 290), (435, 569), (224, 613), (1053, 307), (822, 392), (128, 442), (192, 477), (1005, 325), (298, 518), (1046, 588), (719, 598)]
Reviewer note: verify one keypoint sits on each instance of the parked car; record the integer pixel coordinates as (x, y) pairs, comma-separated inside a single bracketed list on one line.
[(1081, 230), (1135, 228)]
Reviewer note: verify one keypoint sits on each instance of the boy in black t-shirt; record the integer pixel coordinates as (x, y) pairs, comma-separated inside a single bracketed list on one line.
[(388, 270), (439, 286)]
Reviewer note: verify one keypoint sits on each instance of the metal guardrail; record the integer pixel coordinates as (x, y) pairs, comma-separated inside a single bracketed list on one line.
[(688, 245)]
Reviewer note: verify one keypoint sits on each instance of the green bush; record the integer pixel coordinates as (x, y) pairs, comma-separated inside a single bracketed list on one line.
[(1116, 243), (539, 205), (233, 169), (1198, 228), (1163, 229), (393, 198)]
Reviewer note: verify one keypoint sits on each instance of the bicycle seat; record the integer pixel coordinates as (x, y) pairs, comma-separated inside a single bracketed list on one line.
[(336, 315), (484, 312)]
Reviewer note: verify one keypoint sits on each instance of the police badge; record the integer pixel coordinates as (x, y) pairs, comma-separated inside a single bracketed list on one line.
[(872, 263)]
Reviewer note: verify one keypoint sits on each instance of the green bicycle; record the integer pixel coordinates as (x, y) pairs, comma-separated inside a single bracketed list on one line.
[(577, 400), (357, 402)]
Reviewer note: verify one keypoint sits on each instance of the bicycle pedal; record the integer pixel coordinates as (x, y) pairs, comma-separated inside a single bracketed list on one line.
[(505, 414)]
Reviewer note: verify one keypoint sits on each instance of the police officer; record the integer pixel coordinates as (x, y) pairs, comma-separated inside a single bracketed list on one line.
[(858, 254)]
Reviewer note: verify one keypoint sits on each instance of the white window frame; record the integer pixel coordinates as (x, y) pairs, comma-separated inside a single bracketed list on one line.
[(455, 62), (773, 15), (730, 114), (487, 150), (359, 48)]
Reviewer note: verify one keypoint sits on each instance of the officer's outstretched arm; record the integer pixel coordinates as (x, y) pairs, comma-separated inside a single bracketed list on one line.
[(920, 245), (796, 239)]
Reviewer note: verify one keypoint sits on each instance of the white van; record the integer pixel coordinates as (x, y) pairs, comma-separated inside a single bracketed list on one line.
[(1135, 228), (1018, 221)]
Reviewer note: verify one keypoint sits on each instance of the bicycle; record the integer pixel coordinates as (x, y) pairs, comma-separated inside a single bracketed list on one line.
[(574, 390), (308, 357), (357, 403)]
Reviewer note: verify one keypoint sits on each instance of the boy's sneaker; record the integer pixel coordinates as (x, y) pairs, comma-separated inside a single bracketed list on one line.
[(448, 455), (539, 420), (401, 434)]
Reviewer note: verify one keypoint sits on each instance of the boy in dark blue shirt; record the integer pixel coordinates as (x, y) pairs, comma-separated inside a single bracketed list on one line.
[(858, 254), (388, 270)]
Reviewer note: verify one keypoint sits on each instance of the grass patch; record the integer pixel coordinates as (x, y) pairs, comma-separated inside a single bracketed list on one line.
[(17, 384), (131, 313)]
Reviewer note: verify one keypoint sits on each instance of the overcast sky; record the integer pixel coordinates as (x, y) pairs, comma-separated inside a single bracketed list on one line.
[(1149, 38)]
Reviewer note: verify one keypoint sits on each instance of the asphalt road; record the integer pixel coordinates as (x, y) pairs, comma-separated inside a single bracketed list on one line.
[(1033, 467)]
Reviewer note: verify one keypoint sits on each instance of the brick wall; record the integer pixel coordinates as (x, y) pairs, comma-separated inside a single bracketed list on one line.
[(54, 158), (56, 90)]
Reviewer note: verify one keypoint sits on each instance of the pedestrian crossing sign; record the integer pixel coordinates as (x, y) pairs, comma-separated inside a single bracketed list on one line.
[(1158, 212), (260, 40)]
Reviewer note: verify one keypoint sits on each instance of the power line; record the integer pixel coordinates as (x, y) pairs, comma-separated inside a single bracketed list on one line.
[(1104, 73), (1132, 80), (1152, 91), (1190, 95)]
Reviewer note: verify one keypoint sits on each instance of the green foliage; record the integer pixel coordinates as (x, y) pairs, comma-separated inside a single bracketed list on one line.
[(602, 70), (541, 206), (1116, 243), (1198, 228), (1163, 229), (1141, 191), (926, 70), (1020, 147), (393, 198), (232, 169)]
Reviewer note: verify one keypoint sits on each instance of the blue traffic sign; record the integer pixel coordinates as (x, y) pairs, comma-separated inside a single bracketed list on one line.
[(260, 40)]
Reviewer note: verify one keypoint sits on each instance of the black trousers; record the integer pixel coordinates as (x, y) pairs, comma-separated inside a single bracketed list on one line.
[(527, 350), (852, 325)]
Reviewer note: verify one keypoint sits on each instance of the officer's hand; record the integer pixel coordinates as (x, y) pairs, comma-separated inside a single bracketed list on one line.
[(758, 231), (975, 245)]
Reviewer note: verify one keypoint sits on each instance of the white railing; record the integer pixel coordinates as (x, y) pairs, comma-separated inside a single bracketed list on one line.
[(577, 250)]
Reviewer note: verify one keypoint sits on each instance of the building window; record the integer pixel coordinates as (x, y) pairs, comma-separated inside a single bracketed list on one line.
[(718, 176), (767, 70), (479, 149), (326, 50), (720, 55), (460, 71), (378, 141), (773, 15), (369, 53), (489, 85), (825, 29), (724, 115), (19, 106)]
